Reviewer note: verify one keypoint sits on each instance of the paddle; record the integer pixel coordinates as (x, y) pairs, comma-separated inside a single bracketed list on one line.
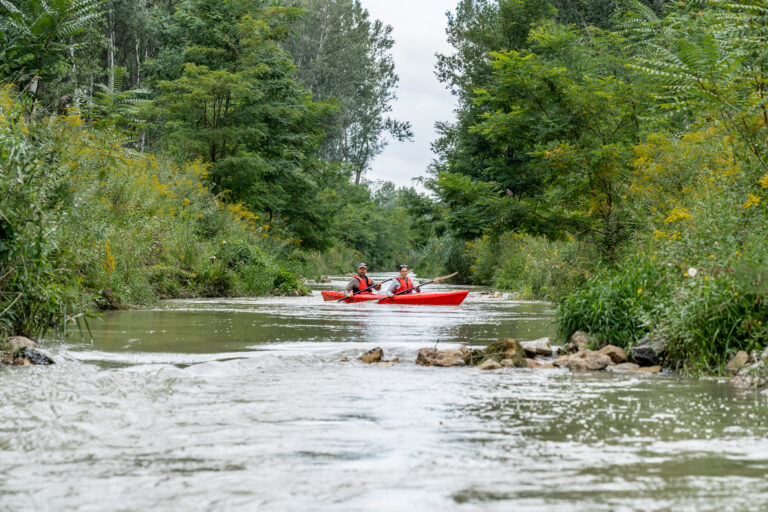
[(362, 291), (435, 280)]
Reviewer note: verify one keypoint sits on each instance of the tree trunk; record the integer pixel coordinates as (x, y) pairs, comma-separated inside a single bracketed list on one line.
[(111, 52), (138, 62)]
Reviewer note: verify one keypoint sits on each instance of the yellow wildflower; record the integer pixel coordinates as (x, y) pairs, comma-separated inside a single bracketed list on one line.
[(752, 200), (676, 214)]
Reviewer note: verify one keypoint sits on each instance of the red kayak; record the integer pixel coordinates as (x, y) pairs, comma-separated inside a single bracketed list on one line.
[(433, 299)]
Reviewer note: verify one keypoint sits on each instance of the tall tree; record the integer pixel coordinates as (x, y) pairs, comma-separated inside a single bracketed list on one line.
[(477, 28), (37, 37), (237, 105), (342, 54)]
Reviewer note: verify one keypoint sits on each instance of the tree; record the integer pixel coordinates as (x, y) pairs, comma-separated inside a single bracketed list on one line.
[(477, 28), (237, 105), (571, 108), (37, 36), (342, 55)]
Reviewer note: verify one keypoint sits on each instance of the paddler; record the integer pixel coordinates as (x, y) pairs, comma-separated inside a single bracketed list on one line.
[(360, 281), (402, 283)]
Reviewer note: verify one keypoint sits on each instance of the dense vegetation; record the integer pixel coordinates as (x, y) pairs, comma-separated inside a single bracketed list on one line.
[(153, 150), (608, 155), (615, 164)]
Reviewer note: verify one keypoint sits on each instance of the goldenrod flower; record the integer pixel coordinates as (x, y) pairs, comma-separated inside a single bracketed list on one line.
[(752, 200)]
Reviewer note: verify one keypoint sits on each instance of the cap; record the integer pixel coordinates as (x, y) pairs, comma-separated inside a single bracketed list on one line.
[(363, 265)]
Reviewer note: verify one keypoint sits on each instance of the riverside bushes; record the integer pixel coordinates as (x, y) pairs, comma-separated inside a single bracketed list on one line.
[(698, 274), (84, 222)]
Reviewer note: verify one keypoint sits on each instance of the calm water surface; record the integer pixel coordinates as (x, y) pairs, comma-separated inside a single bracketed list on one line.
[(245, 404)]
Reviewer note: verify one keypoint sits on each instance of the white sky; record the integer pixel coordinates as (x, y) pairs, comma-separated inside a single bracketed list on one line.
[(419, 33)]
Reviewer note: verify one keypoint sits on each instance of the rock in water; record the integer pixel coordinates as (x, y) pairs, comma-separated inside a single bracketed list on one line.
[(489, 364), (14, 343), (650, 351), (539, 347), (27, 356), (753, 376), (623, 367), (532, 363), (506, 348), (617, 354), (445, 358), (372, 356), (579, 341), (737, 362), (584, 360), (648, 369)]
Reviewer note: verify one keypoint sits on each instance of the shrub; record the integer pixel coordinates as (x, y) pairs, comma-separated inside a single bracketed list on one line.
[(615, 305)]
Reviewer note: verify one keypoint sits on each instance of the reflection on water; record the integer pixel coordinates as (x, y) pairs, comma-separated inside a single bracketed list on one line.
[(246, 405)]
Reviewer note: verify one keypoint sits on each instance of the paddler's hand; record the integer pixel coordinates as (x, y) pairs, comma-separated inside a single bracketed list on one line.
[(390, 295), (378, 286), (418, 290)]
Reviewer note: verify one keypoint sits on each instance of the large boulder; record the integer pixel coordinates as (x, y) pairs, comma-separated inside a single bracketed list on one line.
[(737, 362), (578, 341), (445, 358), (27, 356), (584, 360), (649, 351), (372, 356), (617, 354), (14, 343), (539, 347)]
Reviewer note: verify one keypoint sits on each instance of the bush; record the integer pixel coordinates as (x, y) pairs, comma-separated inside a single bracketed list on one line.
[(36, 295), (615, 306)]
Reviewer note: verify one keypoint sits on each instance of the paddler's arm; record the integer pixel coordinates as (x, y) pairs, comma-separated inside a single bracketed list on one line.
[(351, 287)]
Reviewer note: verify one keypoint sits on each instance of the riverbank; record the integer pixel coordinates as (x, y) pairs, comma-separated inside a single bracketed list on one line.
[(88, 225)]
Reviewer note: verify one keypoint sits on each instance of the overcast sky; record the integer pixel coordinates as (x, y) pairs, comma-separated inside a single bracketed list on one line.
[(419, 33)]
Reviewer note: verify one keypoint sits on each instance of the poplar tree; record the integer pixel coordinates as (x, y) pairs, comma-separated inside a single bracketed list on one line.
[(344, 56)]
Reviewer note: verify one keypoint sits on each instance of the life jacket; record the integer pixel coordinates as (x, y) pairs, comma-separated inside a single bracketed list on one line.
[(363, 282), (405, 284)]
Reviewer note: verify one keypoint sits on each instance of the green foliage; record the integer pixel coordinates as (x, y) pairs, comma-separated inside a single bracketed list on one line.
[(86, 223), (35, 294), (615, 306), (532, 267), (238, 106), (36, 36)]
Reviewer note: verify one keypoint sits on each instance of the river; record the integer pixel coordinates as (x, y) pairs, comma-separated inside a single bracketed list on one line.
[(247, 404)]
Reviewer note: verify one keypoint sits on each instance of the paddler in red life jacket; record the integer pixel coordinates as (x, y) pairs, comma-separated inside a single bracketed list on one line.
[(360, 281), (402, 283)]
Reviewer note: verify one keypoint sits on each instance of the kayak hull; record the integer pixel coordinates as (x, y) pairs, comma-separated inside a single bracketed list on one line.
[(431, 299)]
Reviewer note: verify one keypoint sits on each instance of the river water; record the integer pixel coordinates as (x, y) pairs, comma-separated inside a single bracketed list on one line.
[(247, 404)]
